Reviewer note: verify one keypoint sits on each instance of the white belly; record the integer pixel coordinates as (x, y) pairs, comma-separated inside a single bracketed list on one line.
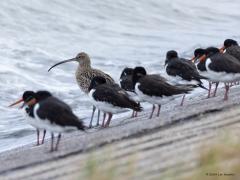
[(46, 124), (221, 76)]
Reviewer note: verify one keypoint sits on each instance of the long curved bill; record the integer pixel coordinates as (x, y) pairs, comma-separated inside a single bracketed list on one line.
[(17, 102), (65, 61)]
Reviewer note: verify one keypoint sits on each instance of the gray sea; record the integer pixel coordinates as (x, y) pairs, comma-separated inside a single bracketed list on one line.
[(35, 34)]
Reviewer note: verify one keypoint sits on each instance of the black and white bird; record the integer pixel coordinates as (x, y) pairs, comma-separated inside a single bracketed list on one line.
[(218, 67), (127, 84), (52, 114), (231, 47), (110, 99), (182, 71), (202, 70), (27, 95), (155, 90)]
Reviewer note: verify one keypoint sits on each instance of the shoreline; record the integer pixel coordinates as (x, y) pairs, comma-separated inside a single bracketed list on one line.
[(18, 161)]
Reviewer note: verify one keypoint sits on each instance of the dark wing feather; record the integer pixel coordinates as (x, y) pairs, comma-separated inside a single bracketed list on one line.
[(153, 87), (183, 69), (59, 113), (115, 96), (224, 63), (234, 51)]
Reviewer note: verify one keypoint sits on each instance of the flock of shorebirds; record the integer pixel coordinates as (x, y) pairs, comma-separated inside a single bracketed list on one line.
[(48, 113)]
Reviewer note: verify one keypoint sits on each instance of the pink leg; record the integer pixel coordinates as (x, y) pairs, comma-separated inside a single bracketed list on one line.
[(109, 120), (209, 89), (215, 90), (136, 114), (44, 133), (133, 114), (159, 108), (52, 142), (153, 108), (38, 134), (226, 92), (182, 100), (58, 140), (104, 117)]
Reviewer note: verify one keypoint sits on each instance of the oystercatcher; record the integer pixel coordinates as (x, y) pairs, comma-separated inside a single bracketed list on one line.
[(155, 90), (52, 114), (219, 67), (231, 46), (202, 70), (27, 96), (84, 75), (181, 70), (127, 84), (109, 98)]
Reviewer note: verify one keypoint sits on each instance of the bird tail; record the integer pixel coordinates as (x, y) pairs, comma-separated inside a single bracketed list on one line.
[(136, 106), (203, 87), (202, 77)]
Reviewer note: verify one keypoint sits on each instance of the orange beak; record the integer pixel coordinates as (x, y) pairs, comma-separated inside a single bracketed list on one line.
[(202, 58), (222, 49), (193, 59), (17, 102), (31, 102)]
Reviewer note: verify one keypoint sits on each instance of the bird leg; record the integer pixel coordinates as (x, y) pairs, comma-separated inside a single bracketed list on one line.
[(44, 133), (109, 120), (104, 117), (52, 142), (93, 111), (133, 114), (182, 100), (159, 108), (153, 108), (38, 134), (209, 89), (136, 113), (226, 92), (215, 90), (58, 140), (98, 117)]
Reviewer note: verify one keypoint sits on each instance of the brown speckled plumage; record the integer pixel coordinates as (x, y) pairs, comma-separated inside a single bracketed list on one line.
[(85, 73)]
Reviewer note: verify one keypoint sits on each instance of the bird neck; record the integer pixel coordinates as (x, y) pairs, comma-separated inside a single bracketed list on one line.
[(85, 65), (29, 111)]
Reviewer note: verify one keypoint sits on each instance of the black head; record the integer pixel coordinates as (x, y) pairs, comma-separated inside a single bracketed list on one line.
[(211, 51), (199, 52), (138, 72), (28, 95), (170, 55), (41, 95), (126, 72), (96, 81), (230, 42)]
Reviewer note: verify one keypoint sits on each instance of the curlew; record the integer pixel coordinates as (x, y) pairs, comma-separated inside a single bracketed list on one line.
[(84, 74)]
